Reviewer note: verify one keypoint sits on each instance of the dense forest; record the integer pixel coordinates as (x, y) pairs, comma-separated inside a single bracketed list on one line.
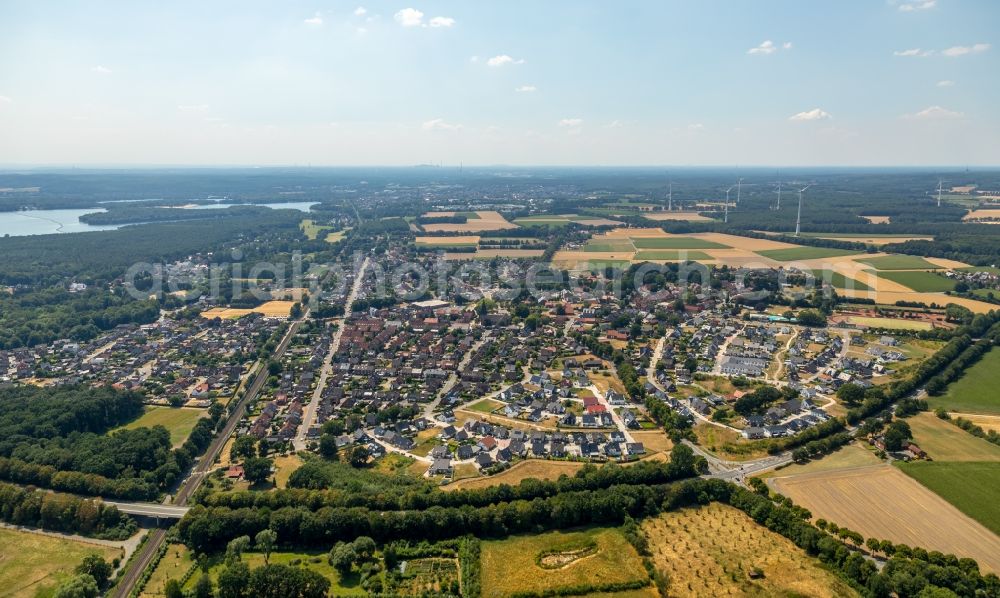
[(58, 438)]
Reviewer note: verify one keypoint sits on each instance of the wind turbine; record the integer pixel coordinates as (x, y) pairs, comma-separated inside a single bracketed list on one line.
[(798, 216), (727, 204), (670, 197), (939, 193), (779, 195), (739, 183)]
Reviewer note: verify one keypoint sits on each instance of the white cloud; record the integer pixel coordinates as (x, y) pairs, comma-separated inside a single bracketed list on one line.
[(814, 114), (954, 51), (360, 11), (934, 113), (571, 125), (696, 127), (5, 100), (915, 5), (103, 70), (409, 17), (946, 83), (442, 22), (503, 60), (314, 21), (526, 89), (439, 124), (913, 52), (473, 59), (768, 47)]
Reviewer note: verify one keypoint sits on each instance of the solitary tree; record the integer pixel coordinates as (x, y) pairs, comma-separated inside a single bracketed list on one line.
[(265, 541)]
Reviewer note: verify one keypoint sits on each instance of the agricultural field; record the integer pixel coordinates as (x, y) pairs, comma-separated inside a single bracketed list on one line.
[(896, 323), (983, 214), (976, 390), (488, 254), (531, 468), (653, 255), (560, 559), (564, 219), (847, 457), (677, 216), (883, 502), (34, 564), (972, 487), (709, 551), (899, 262), (269, 309), (944, 441), (920, 281), (179, 421), (676, 243), (174, 564), (804, 253), (838, 280), (448, 242), (479, 221)]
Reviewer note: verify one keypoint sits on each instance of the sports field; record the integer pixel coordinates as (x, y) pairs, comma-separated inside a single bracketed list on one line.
[(179, 421), (944, 441), (883, 502), (972, 487), (976, 391), (899, 262), (558, 560), (33, 564), (920, 281), (805, 253), (709, 551)]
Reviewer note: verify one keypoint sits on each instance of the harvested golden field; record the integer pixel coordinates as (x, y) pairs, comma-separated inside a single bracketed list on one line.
[(877, 219), (531, 468), (709, 551), (269, 309), (653, 440), (488, 220), (284, 466), (33, 564), (944, 441), (882, 502), (983, 214), (850, 456), (876, 240), (677, 216), (891, 297), (487, 254), (559, 559), (986, 422), (448, 240)]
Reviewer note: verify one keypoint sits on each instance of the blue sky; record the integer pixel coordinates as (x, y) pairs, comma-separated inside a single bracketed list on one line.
[(875, 82)]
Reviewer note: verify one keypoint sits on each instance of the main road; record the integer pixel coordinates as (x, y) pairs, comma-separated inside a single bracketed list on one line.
[(149, 550), (299, 442)]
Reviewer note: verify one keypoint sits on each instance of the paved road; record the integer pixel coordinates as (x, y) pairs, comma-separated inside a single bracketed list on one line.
[(310, 413), (156, 538)]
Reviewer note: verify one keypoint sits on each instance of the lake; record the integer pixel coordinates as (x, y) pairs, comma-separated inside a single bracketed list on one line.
[(47, 222)]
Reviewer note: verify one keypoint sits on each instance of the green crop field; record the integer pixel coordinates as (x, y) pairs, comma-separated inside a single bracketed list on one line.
[(838, 280), (972, 487), (179, 421), (608, 247), (922, 282), (666, 254), (804, 253), (976, 390), (899, 262), (676, 243)]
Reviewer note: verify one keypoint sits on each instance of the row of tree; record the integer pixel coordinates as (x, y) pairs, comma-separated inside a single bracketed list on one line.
[(62, 512)]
